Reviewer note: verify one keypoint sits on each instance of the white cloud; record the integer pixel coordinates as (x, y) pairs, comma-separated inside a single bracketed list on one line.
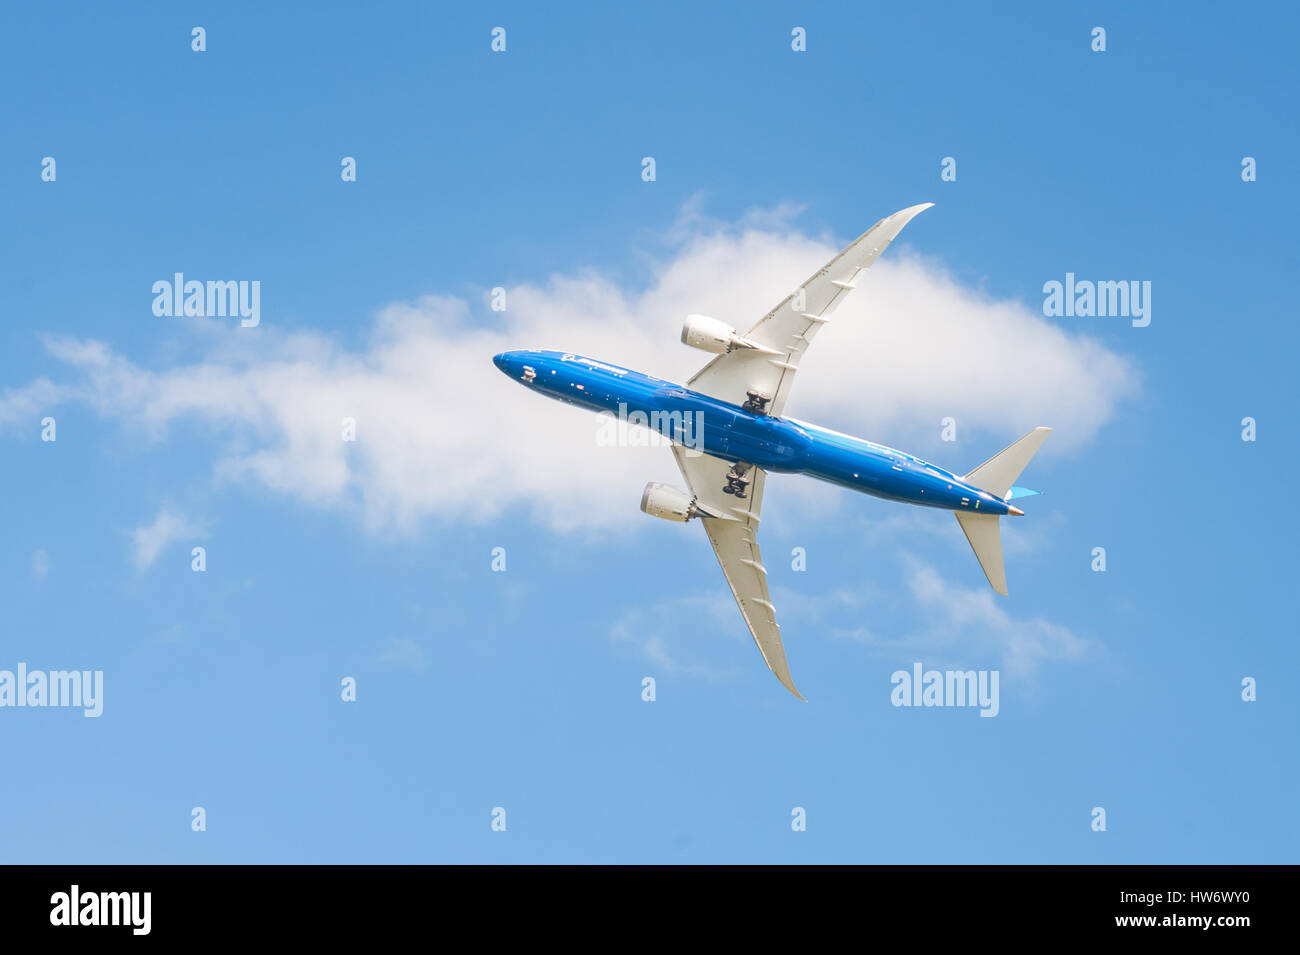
[(974, 617), (665, 634), (168, 526), (25, 406), (40, 563), (442, 434), (967, 626)]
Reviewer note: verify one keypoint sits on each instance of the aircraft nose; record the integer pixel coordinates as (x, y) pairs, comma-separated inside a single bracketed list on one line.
[(501, 360)]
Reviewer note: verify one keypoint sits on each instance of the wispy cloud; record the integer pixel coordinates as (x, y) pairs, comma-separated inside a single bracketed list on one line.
[(665, 634), (941, 617), (964, 624), (169, 526), (975, 619), (404, 653)]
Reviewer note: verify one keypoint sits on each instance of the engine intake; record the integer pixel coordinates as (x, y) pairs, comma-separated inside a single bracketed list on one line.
[(668, 502), (708, 334), (712, 335)]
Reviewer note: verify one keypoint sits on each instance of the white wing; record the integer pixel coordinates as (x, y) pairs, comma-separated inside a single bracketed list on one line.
[(733, 536), (789, 327)]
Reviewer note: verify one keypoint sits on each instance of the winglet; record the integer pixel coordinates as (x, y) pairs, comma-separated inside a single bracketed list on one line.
[(910, 213), (784, 676), (774, 657)]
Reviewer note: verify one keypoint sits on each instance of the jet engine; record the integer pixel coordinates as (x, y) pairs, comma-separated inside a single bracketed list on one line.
[(708, 334), (712, 335), (668, 502)]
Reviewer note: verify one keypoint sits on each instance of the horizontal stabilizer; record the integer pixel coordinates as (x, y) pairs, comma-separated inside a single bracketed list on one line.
[(1016, 492), (998, 473), (986, 540)]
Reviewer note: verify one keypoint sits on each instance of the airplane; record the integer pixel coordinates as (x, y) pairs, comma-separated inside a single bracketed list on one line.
[(737, 400)]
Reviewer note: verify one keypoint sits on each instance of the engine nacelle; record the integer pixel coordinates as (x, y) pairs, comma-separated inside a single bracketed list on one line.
[(709, 334), (667, 502)]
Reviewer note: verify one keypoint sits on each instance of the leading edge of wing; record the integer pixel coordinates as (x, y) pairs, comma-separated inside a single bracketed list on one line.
[(852, 255), (788, 330)]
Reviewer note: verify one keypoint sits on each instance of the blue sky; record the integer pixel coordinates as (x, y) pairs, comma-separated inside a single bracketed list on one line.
[(522, 689)]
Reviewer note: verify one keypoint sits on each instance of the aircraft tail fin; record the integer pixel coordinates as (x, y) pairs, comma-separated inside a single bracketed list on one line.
[(999, 473), (998, 476), (986, 540)]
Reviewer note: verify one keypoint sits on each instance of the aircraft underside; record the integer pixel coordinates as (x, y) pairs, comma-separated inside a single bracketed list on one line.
[(727, 433)]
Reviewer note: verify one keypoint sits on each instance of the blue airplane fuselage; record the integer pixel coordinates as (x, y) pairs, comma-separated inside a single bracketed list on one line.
[(728, 431)]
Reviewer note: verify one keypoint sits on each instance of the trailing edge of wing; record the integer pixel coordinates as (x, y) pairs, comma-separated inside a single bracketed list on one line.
[(737, 552), (733, 534)]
